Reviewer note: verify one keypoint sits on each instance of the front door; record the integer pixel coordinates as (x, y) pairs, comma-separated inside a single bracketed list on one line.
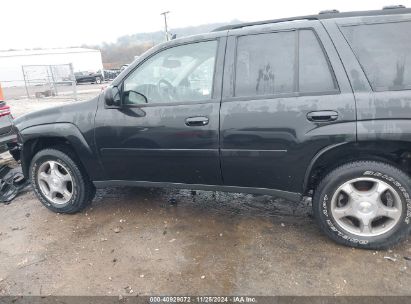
[(167, 127)]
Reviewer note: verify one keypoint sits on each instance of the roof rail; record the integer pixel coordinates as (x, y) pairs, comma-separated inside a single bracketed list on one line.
[(330, 14), (333, 11), (388, 7), (246, 24)]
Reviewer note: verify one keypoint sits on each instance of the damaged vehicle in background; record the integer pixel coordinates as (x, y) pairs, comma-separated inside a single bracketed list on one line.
[(7, 135), (88, 77), (314, 106), (11, 179)]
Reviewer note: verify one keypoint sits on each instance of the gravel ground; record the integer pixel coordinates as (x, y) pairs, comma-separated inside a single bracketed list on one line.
[(135, 241), (24, 105)]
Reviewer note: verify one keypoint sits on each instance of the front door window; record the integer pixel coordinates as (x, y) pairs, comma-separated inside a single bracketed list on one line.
[(178, 74)]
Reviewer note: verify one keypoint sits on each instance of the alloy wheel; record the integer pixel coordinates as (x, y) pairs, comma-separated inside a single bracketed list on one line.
[(366, 207), (55, 182)]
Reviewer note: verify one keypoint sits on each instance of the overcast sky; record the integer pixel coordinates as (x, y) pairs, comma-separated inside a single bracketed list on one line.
[(56, 23)]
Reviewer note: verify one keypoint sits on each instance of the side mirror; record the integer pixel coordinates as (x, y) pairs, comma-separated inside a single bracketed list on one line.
[(112, 97)]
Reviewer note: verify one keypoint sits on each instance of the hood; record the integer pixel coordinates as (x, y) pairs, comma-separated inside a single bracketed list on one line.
[(73, 112)]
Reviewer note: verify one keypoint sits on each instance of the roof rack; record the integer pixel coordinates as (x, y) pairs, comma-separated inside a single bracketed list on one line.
[(246, 24), (333, 11), (329, 14), (393, 7)]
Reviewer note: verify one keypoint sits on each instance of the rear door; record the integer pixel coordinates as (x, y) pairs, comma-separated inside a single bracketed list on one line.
[(286, 97)]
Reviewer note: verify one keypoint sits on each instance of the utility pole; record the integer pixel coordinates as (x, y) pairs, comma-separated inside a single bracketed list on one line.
[(165, 23)]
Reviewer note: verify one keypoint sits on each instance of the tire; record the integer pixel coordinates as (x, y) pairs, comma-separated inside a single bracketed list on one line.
[(364, 204), (98, 80), (78, 189)]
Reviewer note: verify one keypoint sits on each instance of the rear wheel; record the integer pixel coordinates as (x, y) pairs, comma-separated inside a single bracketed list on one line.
[(59, 182), (364, 204), (98, 80)]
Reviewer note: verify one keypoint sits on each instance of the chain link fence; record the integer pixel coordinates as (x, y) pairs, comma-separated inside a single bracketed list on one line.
[(43, 81)]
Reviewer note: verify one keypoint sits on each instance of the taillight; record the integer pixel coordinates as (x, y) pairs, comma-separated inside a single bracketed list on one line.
[(4, 111)]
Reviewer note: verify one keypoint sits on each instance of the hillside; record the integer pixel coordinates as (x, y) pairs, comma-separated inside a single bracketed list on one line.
[(125, 49)]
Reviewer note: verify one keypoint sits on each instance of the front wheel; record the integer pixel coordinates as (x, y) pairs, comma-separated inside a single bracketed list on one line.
[(59, 182), (98, 80), (364, 204)]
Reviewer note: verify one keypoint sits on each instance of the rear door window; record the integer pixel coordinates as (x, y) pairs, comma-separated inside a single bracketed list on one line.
[(384, 52), (265, 64), (269, 64), (315, 73)]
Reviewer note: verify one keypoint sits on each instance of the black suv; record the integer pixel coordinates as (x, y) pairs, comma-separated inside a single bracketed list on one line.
[(311, 106)]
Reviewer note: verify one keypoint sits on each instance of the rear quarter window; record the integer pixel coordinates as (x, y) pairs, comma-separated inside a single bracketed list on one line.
[(384, 52)]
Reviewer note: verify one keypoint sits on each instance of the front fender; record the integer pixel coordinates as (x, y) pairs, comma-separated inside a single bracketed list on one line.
[(70, 133)]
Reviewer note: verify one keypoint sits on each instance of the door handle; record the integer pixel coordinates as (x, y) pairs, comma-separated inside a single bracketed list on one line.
[(322, 116), (198, 121)]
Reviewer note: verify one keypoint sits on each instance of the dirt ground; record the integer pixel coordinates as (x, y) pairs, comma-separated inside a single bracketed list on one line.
[(21, 105), (64, 91), (135, 241)]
